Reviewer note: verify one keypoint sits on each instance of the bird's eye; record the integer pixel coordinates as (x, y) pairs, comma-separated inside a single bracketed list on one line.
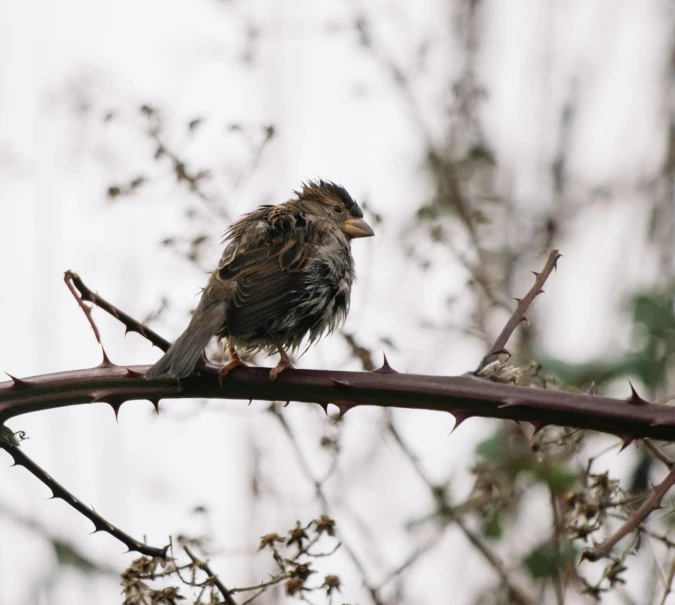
[(337, 209)]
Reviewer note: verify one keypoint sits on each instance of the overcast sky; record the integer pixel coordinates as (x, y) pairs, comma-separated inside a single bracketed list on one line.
[(295, 64)]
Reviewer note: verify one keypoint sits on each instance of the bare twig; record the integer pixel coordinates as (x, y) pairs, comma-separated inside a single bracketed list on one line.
[(193, 180), (655, 452), (669, 582), (131, 324), (68, 277), (558, 528), (522, 307), (58, 491), (351, 553), (518, 594), (650, 505), (213, 578)]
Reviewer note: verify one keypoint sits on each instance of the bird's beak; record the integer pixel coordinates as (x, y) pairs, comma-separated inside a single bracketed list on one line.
[(357, 227)]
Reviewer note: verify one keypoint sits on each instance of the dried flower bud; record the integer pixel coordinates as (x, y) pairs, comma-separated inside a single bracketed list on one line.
[(325, 524), (331, 583), (294, 586), (302, 571), (297, 535), (166, 596), (268, 540)]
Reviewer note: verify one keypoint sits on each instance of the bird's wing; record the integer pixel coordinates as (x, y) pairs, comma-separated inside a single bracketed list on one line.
[(267, 271)]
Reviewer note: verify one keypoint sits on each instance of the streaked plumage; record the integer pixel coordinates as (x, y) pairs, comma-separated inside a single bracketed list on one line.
[(285, 275)]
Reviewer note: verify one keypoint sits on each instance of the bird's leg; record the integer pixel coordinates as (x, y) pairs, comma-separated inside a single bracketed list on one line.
[(284, 362), (230, 365)]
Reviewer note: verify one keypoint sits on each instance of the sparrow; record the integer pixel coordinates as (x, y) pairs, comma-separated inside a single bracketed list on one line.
[(286, 274)]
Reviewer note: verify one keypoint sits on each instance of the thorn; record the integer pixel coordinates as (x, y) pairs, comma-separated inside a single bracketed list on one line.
[(524, 319), (517, 299), (535, 273), (386, 368), (155, 404), (343, 407), (460, 416), (627, 440), (510, 402), (538, 425), (341, 383), (129, 373), (106, 363), (540, 291), (502, 352), (325, 407), (250, 401), (116, 408), (634, 398), (17, 383), (287, 403), (587, 555), (591, 389), (128, 329)]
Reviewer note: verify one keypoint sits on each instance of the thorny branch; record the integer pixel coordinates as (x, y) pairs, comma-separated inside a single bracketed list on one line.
[(58, 491), (519, 314), (213, 578), (464, 397), (131, 324), (650, 505)]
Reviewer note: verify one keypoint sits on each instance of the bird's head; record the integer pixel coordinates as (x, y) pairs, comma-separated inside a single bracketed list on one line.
[(331, 201)]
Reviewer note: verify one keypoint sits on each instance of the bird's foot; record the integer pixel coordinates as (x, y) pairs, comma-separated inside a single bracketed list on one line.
[(281, 366), (228, 367)]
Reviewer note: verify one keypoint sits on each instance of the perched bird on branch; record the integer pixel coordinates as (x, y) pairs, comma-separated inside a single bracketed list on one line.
[(286, 273)]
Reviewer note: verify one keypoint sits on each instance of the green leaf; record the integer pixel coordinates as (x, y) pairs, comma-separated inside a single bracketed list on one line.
[(545, 560), (67, 556), (493, 527), (559, 479), (655, 312), (493, 448)]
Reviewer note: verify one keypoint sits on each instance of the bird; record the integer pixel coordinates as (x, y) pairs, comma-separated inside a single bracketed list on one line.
[(285, 275)]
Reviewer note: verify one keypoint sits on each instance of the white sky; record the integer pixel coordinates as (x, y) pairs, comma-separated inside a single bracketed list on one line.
[(337, 116)]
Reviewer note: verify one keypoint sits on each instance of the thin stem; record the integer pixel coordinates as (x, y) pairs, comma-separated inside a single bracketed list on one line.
[(522, 307), (213, 578), (633, 522), (58, 491)]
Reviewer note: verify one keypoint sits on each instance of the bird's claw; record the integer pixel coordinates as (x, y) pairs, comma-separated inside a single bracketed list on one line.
[(280, 367), (228, 367)]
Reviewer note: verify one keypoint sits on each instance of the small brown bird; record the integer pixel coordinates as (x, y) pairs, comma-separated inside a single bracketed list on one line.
[(286, 273)]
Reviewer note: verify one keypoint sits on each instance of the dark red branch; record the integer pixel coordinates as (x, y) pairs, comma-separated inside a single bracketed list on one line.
[(635, 520), (462, 396), (131, 324), (58, 491), (213, 578), (519, 314)]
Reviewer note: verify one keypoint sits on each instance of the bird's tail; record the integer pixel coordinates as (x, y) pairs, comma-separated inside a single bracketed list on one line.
[(180, 360)]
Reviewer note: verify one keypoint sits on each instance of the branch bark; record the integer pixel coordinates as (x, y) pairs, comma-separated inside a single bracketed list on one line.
[(462, 396), (650, 505), (518, 315)]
